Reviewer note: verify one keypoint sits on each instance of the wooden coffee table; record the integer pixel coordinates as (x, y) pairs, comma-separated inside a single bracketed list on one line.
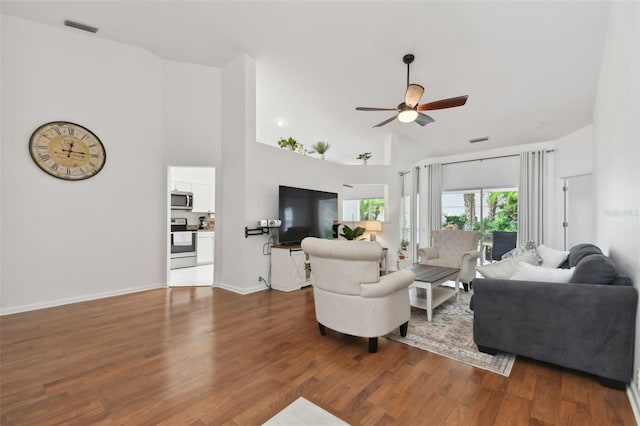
[(428, 280)]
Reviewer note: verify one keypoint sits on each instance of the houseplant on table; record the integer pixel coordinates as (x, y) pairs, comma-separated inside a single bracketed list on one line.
[(352, 234)]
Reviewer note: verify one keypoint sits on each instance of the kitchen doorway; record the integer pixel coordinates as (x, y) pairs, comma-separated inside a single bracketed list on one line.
[(190, 226)]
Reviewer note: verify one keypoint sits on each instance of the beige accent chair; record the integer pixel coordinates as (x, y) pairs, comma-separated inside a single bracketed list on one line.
[(350, 295), (454, 249)]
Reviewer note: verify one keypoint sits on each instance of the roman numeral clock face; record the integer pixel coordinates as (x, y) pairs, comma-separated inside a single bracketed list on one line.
[(67, 151)]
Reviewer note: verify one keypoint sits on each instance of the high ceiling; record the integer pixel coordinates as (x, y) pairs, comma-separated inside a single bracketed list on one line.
[(530, 68)]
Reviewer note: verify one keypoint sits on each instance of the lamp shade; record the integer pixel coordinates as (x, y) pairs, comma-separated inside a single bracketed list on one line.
[(373, 225)]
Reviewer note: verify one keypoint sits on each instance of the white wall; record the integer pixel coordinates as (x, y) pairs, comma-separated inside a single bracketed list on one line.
[(616, 150), (191, 106), (106, 235), (70, 239)]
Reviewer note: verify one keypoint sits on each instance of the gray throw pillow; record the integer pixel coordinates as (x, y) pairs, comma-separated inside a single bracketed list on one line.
[(577, 252), (594, 269)]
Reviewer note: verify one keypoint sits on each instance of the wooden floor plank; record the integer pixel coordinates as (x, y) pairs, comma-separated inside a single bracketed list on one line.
[(208, 356)]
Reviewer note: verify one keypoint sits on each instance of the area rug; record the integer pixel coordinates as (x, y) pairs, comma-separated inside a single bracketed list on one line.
[(450, 334), (303, 412)]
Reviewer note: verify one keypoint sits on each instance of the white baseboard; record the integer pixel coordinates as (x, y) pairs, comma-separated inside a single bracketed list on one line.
[(634, 399), (76, 299), (240, 290)]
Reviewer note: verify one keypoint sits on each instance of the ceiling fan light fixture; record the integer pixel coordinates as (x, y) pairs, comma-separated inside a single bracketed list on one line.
[(407, 116)]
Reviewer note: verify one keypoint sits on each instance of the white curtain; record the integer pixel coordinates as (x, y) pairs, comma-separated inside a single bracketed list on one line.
[(430, 201), (531, 196)]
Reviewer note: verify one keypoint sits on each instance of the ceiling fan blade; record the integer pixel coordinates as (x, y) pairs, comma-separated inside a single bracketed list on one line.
[(444, 103), (424, 119), (387, 121), (375, 109), (413, 94)]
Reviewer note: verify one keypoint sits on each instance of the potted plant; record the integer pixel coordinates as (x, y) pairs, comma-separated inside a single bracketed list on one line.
[(404, 244), (352, 234), (400, 254), (321, 148), (364, 157), (291, 144)]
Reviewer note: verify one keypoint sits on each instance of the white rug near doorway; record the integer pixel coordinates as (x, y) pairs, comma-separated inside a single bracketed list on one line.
[(302, 412)]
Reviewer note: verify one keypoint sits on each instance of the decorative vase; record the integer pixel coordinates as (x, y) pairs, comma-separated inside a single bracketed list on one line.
[(364, 161), (322, 156)]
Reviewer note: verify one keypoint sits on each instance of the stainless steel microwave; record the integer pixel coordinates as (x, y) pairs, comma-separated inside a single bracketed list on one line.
[(181, 200)]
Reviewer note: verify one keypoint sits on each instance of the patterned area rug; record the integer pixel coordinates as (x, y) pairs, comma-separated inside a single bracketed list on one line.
[(450, 334)]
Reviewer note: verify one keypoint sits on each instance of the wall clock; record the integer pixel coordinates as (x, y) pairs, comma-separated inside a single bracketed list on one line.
[(67, 150)]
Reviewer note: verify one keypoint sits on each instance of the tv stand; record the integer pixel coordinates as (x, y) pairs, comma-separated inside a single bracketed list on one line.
[(289, 270)]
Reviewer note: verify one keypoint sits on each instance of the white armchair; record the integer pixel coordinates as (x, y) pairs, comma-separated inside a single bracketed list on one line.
[(350, 296), (453, 249)]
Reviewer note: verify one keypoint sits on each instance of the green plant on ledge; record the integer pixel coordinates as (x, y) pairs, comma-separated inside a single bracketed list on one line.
[(321, 148), (352, 234), (292, 145), (364, 157), (404, 244)]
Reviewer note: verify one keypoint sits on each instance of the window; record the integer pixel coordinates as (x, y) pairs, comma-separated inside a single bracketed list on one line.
[(364, 209), (484, 210)]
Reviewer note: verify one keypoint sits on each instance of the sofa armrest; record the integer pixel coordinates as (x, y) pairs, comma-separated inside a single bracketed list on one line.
[(587, 327), (426, 253), (388, 284)]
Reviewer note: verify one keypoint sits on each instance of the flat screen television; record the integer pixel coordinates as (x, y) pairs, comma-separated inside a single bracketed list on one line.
[(306, 213)]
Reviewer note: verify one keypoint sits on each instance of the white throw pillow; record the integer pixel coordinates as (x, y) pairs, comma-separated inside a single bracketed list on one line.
[(528, 246), (503, 269), (551, 258), (527, 272)]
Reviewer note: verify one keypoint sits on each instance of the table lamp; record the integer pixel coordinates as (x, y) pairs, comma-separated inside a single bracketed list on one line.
[(373, 226)]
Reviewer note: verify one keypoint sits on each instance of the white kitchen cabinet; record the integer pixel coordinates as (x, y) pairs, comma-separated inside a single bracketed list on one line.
[(288, 269), (204, 198), (205, 247), (182, 186)]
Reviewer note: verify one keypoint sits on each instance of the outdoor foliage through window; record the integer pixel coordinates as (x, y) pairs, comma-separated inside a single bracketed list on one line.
[(498, 211)]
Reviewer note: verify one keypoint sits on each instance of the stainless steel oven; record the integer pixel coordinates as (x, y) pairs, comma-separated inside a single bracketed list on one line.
[(183, 244)]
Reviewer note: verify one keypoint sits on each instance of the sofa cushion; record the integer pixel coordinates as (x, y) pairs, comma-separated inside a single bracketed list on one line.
[(595, 269), (577, 252), (527, 272), (505, 268), (551, 258)]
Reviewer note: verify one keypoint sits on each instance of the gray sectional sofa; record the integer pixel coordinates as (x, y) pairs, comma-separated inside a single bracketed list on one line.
[(587, 324)]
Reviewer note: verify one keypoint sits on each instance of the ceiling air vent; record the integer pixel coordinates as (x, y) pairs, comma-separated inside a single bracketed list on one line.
[(486, 138), (79, 26)]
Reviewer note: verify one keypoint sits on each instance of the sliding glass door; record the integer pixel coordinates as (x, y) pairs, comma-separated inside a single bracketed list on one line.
[(485, 210)]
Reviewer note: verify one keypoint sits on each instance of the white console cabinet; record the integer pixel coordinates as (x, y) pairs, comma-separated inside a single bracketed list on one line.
[(288, 270)]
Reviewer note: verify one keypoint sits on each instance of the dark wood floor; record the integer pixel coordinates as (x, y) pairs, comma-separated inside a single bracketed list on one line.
[(208, 356)]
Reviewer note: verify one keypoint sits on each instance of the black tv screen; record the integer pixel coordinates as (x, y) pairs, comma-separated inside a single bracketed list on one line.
[(306, 213)]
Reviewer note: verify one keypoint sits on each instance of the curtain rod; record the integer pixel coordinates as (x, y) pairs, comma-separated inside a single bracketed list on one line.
[(486, 158)]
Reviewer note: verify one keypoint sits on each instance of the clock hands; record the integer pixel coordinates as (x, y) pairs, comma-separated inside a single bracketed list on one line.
[(70, 150)]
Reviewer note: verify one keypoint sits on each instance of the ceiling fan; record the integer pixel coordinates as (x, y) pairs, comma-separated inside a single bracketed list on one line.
[(409, 110)]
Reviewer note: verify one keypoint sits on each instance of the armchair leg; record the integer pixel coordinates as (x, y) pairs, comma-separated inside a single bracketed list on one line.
[(323, 330), (373, 345), (403, 329), (466, 286)]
